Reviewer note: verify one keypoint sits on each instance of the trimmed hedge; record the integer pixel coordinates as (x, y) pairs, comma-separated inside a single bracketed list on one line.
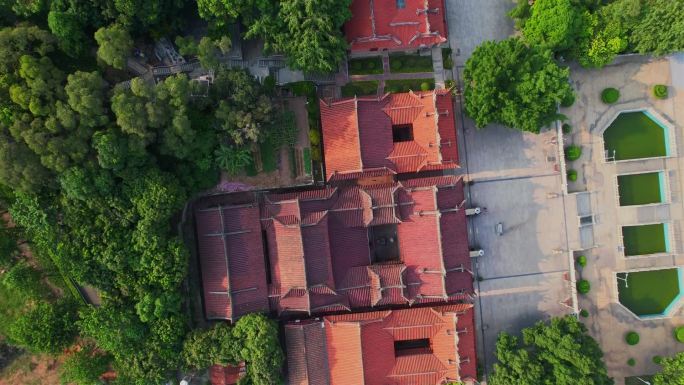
[(679, 333), (572, 175), (660, 91), (366, 66), (568, 101), (573, 152), (583, 286), (582, 260), (584, 313), (631, 362), (610, 95), (632, 338), (657, 360), (567, 128)]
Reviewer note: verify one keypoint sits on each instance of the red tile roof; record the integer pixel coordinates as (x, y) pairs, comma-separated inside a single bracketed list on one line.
[(226, 375), (357, 134), (381, 24), (319, 249), (232, 260), (359, 348)]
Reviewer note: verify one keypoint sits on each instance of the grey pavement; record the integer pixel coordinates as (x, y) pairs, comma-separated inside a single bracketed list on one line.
[(471, 22)]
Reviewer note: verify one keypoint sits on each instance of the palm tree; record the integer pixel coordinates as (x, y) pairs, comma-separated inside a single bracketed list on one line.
[(232, 159)]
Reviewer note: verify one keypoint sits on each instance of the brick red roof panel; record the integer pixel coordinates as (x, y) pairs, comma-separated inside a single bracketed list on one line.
[(395, 28), (340, 137)]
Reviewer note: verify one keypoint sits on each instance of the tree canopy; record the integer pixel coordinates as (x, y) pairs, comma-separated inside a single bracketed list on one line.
[(559, 352), (672, 372), (509, 83), (308, 32)]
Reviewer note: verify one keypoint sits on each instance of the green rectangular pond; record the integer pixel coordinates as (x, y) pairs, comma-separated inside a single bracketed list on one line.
[(645, 239), (635, 135), (651, 292), (641, 189)]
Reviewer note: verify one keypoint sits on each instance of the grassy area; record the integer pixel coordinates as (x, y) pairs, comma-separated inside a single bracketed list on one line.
[(365, 66), (395, 86), (369, 87), (401, 63), (639, 189), (648, 292), (644, 239), (634, 135)]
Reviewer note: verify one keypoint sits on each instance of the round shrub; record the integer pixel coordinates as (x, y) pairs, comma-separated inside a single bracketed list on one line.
[(568, 100), (610, 95), (567, 128), (660, 91), (631, 362), (573, 152), (572, 175), (316, 153), (582, 260), (632, 338), (679, 334), (584, 313), (657, 360), (583, 286), (425, 86)]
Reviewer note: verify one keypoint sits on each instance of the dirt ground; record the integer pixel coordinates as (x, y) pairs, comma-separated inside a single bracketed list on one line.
[(30, 369)]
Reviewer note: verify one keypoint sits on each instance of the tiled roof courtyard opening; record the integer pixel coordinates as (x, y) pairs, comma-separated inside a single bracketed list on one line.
[(384, 243), (411, 347), (402, 133)]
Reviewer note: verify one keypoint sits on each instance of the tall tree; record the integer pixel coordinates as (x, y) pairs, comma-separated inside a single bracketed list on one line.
[(556, 25), (46, 328), (509, 83), (114, 45), (559, 352)]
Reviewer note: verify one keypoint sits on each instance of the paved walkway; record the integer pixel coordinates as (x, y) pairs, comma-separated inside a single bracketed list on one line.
[(608, 322)]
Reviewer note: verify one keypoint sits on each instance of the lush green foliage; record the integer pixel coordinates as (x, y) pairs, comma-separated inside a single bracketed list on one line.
[(632, 338), (403, 63), (595, 32), (46, 328), (567, 128), (365, 65), (509, 83), (610, 95), (254, 340), (559, 352), (584, 313), (672, 371), (573, 152), (660, 28), (583, 286), (308, 32), (631, 362), (406, 85), (657, 360), (114, 45), (572, 175), (84, 367), (660, 91)]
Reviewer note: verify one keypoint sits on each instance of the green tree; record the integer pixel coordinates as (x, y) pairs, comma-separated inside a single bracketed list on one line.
[(114, 45), (660, 29), (559, 352), (509, 83), (84, 367), (24, 280), (260, 347), (206, 347), (69, 32), (556, 25), (672, 371), (86, 95), (46, 328)]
